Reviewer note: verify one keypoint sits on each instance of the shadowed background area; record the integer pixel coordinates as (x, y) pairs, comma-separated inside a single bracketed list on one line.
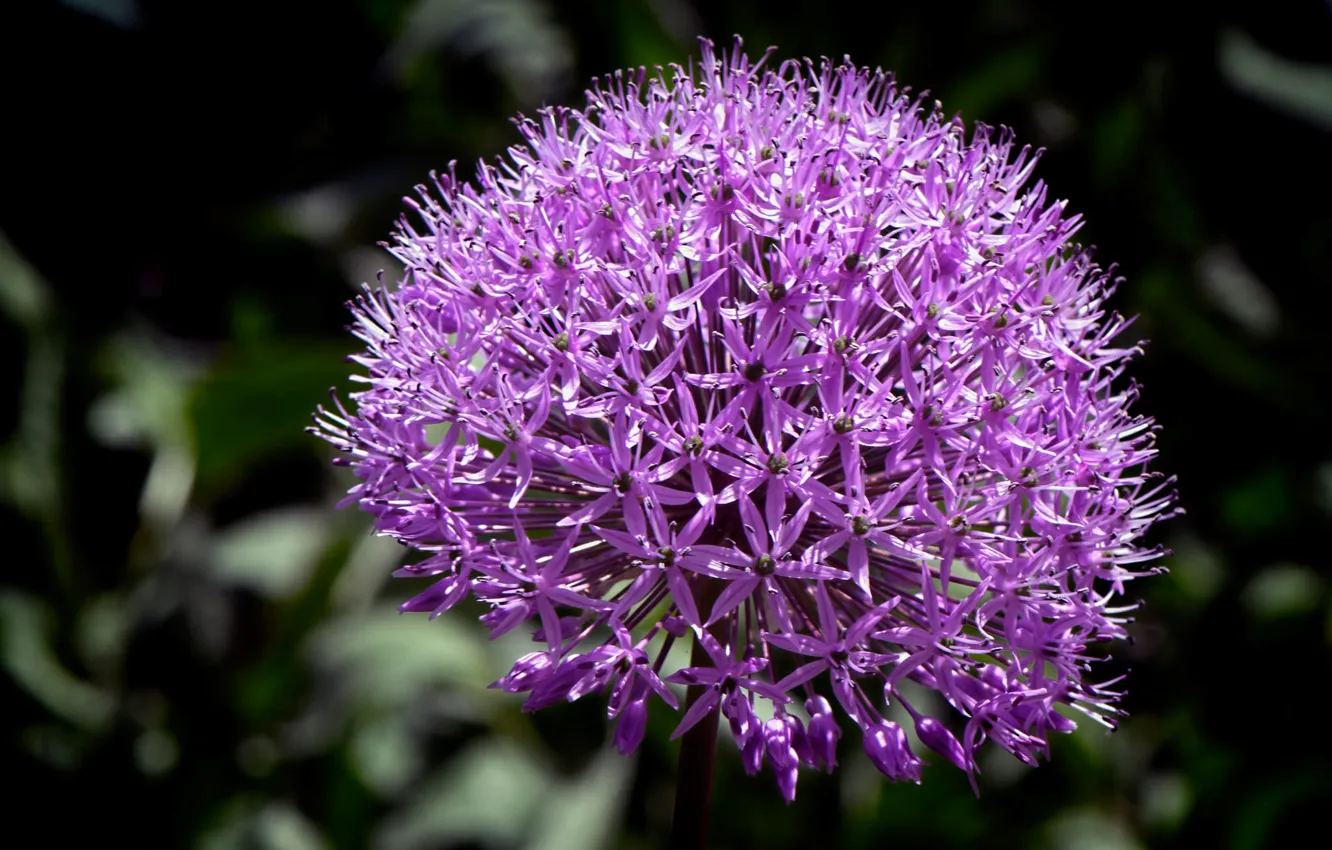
[(197, 650)]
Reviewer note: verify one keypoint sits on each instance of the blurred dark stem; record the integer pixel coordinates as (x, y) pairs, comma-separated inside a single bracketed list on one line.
[(693, 779)]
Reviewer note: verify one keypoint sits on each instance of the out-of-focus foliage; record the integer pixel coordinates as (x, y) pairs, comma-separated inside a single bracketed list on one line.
[(198, 651)]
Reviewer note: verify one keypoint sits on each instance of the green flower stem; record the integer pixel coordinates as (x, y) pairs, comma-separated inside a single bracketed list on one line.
[(693, 788)]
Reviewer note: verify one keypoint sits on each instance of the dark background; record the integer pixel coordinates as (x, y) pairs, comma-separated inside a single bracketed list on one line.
[(197, 651)]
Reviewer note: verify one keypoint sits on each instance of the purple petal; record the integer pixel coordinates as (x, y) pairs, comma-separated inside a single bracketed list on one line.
[(936, 736), (703, 706), (630, 727), (735, 593)]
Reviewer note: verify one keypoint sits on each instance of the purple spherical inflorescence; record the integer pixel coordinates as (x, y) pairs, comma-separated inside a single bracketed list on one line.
[(777, 361)]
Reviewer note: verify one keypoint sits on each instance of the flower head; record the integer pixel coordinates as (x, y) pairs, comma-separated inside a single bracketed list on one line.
[(777, 361)]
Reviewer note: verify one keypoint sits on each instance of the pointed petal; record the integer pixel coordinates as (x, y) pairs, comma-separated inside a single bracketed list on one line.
[(700, 709), (684, 599), (695, 292), (735, 593)]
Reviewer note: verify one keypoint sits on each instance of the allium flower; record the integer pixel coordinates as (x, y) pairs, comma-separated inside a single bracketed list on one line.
[(778, 362)]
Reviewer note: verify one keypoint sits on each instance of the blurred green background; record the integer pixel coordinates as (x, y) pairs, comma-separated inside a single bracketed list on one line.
[(196, 650)]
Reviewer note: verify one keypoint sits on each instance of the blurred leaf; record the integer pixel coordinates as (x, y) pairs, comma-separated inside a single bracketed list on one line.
[(55, 745), (1165, 801), (641, 29), (583, 812), (23, 294), (121, 13), (1237, 291), (369, 565), (29, 466), (258, 402), (1195, 567), (1258, 503), (526, 47), (1304, 91), (1012, 73), (1118, 136), (391, 658), (1088, 829), (1175, 213), (1223, 354), (488, 794), (361, 264), (272, 553), (156, 752), (1323, 483), (320, 215), (1262, 811), (277, 825), (1001, 769), (26, 653), (862, 788), (147, 409), (386, 755), (257, 755), (101, 632), (1055, 124), (30, 463), (1284, 590)]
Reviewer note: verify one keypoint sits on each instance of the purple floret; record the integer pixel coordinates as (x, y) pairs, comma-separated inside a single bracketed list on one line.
[(779, 361)]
